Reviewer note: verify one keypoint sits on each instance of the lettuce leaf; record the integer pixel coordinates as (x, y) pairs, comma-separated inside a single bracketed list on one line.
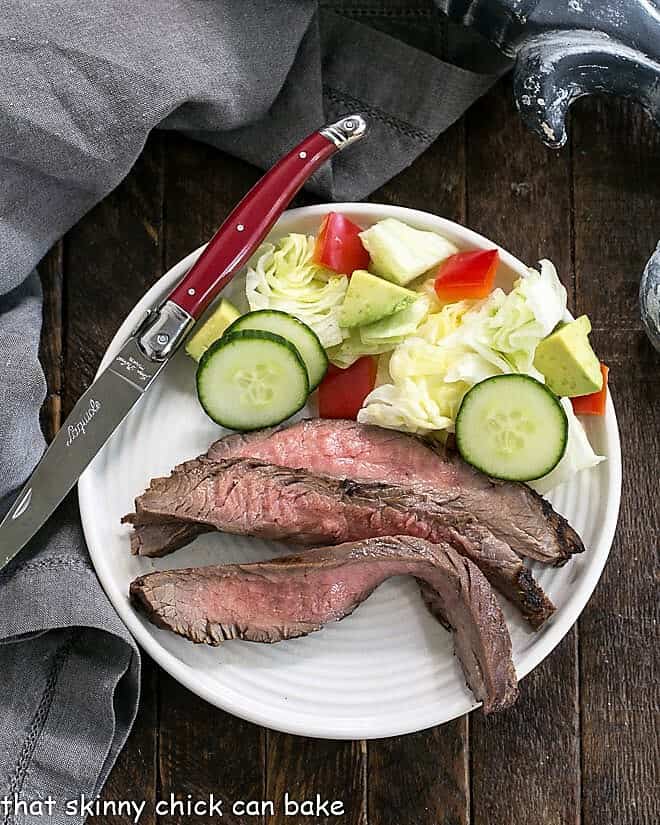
[(380, 337), (395, 327), (579, 454), (353, 347), (401, 253), (283, 276)]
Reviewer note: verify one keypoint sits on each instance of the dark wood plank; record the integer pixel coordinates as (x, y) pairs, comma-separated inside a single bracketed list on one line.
[(111, 257), (304, 768), (202, 748), (423, 779), (50, 349), (206, 755), (617, 188), (525, 762)]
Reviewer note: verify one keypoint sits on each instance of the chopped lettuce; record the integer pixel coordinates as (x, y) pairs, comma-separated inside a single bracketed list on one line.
[(381, 336), (579, 454), (352, 348), (400, 253), (396, 326), (466, 342), (283, 276)]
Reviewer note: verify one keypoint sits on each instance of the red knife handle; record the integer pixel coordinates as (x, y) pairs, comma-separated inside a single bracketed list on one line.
[(249, 223)]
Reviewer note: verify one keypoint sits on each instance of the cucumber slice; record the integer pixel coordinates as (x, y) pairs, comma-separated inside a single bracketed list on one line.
[(214, 326), (304, 339), (511, 427), (251, 379)]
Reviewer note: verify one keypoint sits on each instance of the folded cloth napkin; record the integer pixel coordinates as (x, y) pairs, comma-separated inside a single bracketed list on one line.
[(81, 86)]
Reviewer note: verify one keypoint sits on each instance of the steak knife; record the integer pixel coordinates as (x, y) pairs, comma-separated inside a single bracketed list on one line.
[(115, 392)]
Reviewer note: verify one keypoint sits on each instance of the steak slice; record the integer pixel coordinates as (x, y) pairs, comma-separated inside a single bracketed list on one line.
[(345, 449), (246, 497), (159, 537), (296, 595)]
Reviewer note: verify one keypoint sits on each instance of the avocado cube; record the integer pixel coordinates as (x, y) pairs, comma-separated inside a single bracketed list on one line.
[(215, 325), (370, 298), (567, 361)]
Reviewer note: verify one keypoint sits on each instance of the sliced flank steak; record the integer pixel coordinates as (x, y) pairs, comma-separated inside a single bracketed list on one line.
[(345, 449), (296, 595), (247, 497)]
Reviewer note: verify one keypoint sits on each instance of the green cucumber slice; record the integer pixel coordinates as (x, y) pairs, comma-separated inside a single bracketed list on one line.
[(304, 339), (511, 427), (251, 379)]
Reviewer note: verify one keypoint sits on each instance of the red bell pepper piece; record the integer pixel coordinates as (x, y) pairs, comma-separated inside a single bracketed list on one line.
[(338, 245), (467, 275), (593, 404), (342, 392)]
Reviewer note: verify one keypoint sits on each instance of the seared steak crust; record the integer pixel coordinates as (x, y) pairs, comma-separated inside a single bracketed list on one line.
[(296, 595), (345, 449), (247, 497)]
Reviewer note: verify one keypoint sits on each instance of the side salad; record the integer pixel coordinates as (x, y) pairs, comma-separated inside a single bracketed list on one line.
[(397, 327)]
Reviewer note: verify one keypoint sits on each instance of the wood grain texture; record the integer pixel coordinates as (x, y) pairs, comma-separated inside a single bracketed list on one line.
[(51, 271), (303, 768), (617, 190), (525, 762), (111, 257), (617, 187), (423, 779), (204, 753)]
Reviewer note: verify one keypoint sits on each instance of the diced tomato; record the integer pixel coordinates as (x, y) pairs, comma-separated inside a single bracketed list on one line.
[(338, 246), (593, 404), (342, 392), (467, 275)]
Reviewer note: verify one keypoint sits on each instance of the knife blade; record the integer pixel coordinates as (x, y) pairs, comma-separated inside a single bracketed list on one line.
[(116, 391), (94, 418)]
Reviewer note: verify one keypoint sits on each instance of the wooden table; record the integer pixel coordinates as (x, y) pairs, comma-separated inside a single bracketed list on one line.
[(581, 745)]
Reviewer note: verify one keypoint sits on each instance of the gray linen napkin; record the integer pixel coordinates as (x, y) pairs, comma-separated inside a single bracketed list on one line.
[(81, 86)]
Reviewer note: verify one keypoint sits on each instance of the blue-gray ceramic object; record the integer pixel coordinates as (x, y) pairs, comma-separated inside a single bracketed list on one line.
[(565, 49), (649, 298)]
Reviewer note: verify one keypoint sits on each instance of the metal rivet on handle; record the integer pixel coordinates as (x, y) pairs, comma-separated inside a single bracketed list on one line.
[(240, 227), (302, 155), (349, 124), (191, 291)]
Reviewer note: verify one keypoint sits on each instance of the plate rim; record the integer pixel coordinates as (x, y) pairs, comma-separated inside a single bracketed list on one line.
[(296, 722)]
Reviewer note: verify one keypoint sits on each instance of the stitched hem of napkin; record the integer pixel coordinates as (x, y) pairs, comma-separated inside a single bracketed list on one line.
[(39, 719)]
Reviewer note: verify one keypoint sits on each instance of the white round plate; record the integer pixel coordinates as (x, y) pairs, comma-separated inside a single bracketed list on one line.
[(389, 668)]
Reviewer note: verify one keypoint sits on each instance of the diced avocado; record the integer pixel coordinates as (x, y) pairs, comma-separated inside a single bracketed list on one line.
[(212, 329), (370, 298), (401, 253), (567, 361)]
